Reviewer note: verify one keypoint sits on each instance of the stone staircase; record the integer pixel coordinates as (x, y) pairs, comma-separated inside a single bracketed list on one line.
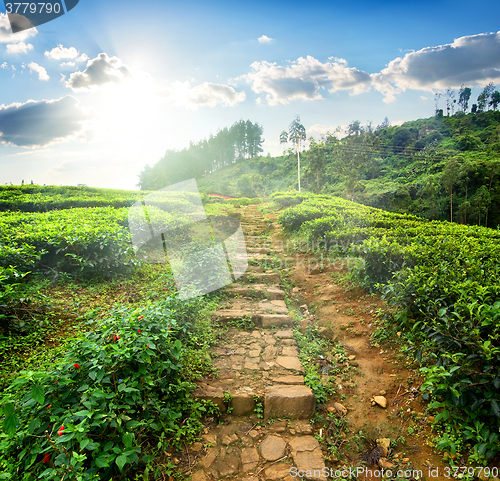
[(265, 434)]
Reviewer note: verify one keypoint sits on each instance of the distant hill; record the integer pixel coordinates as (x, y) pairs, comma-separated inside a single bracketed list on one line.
[(442, 167)]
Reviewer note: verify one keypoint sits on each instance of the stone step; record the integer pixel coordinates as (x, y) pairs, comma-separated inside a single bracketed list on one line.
[(273, 277), (290, 402), (262, 291), (265, 321), (258, 250)]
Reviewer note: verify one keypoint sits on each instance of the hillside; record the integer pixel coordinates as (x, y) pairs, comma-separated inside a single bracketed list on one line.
[(442, 167)]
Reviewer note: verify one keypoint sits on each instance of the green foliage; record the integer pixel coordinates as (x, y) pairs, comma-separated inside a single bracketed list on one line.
[(115, 391), (444, 280), (242, 140)]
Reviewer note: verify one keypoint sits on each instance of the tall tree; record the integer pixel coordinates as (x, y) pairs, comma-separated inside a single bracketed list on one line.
[(463, 97), (484, 96), (450, 101), (495, 99), (317, 161), (296, 134)]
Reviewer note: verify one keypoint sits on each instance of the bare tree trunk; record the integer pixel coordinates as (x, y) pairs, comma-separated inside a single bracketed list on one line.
[(298, 161)]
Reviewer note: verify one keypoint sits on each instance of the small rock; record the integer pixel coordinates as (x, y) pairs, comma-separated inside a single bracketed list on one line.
[(383, 444), (199, 476), (351, 357), (272, 448), (385, 464), (227, 440), (382, 393), (196, 447), (430, 419), (405, 460), (381, 401), (341, 410)]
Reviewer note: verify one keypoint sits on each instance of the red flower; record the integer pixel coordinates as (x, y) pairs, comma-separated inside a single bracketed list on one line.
[(77, 365), (165, 288), (46, 458), (61, 431), (139, 331), (169, 326), (147, 345)]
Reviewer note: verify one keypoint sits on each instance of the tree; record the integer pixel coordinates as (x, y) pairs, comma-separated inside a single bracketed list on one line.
[(463, 97), (296, 134), (483, 98), (450, 101), (495, 99), (317, 161), (385, 123), (436, 99)]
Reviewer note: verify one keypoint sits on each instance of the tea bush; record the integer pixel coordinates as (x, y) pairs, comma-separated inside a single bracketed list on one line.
[(118, 392), (445, 280)]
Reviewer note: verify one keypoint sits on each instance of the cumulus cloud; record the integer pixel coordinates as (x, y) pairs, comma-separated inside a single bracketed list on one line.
[(206, 94), (4, 65), (265, 39), (473, 60), (39, 123), (42, 73), (100, 71), (21, 47), (304, 79), (60, 52), (82, 58), (6, 35)]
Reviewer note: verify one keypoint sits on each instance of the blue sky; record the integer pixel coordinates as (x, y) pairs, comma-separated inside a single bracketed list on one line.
[(98, 93)]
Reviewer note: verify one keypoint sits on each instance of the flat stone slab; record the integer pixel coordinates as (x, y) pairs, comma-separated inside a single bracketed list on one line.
[(273, 448), (294, 380), (290, 362), (225, 315), (287, 334), (290, 351), (289, 402), (271, 306), (268, 320), (307, 457)]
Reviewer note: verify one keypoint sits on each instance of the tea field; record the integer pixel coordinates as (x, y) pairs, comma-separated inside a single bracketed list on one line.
[(443, 280)]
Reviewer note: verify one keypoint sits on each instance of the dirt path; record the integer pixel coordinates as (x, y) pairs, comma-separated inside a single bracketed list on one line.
[(272, 428)]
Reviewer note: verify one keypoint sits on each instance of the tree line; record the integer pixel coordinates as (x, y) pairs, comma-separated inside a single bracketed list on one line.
[(488, 98), (243, 140)]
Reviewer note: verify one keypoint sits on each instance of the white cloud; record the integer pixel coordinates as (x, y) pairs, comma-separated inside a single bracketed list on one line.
[(304, 78), (265, 39), (4, 65), (204, 95), (100, 71), (21, 47), (68, 64), (82, 58), (318, 130), (423, 97), (60, 52), (39, 123), (42, 73), (473, 60), (6, 35)]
